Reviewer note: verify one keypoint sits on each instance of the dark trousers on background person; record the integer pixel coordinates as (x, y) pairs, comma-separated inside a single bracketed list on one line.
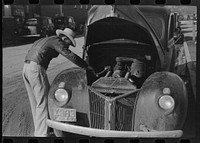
[(37, 86)]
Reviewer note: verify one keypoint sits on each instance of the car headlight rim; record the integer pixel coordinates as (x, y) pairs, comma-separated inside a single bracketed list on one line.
[(62, 96), (166, 102)]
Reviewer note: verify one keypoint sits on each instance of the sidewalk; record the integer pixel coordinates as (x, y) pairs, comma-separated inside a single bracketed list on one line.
[(187, 59), (192, 50)]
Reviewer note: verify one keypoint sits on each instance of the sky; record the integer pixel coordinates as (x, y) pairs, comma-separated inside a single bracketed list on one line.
[(185, 9)]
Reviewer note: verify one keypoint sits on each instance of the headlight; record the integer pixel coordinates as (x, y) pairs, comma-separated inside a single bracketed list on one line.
[(61, 95), (166, 102)]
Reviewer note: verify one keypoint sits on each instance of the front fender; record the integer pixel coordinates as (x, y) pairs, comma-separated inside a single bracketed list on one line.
[(75, 83), (148, 112)]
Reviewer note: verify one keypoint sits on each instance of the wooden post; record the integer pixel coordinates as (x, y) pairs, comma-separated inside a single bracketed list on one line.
[(61, 11)]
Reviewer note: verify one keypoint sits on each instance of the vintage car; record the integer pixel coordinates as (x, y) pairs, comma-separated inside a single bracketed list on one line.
[(36, 27), (135, 91), (68, 22)]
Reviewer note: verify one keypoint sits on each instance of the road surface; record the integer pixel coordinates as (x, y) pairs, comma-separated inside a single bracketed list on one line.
[(16, 117)]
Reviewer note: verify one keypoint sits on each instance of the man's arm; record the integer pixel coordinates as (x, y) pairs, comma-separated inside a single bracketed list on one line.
[(62, 48)]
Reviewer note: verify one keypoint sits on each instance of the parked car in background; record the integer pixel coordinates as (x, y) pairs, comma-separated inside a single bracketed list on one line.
[(36, 27), (134, 90), (19, 21), (63, 22), (68, 22)]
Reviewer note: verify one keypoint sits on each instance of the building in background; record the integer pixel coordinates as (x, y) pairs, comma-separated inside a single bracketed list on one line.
[(14, 14), (78, 12), (10, 13), (26, 11), (6, 11)]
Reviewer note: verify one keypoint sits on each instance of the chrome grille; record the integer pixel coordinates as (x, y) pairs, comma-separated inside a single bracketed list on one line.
[(123, 117), (97, 113), (121, 111)]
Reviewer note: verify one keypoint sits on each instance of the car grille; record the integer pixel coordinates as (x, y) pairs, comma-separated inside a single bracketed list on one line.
[(122, 112), (123, 121), (97, 114)]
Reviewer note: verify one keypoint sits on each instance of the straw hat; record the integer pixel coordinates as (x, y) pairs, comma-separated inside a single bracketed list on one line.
[(69, 33)]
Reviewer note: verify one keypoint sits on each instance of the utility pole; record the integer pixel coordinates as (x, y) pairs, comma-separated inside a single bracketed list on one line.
[(7, 10), (61, 11), (193, 31)]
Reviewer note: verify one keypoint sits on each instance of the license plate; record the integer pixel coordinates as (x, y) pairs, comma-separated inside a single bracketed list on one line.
[(63, 114)]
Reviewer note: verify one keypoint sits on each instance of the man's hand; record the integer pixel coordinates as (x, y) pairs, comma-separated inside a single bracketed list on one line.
[(91, 75), (90, 69)]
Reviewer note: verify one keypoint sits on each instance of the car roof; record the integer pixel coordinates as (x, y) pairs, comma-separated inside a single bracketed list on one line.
[(162, 11), (41, 17), (63, 17), (32, 19), (44, 17)]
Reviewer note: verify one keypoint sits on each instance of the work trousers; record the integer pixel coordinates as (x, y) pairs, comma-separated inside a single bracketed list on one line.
[(37, 86)]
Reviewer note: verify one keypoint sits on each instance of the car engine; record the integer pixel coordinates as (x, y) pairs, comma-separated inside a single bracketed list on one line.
[(134, 70), (131, 69)]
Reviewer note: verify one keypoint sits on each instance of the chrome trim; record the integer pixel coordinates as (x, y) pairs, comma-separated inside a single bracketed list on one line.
[(110, 133)]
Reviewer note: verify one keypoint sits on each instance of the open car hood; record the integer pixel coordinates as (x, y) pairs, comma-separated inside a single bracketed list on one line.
[(119, 22)]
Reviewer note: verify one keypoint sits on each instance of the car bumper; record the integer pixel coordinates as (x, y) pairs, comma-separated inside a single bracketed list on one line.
[(111, 133)]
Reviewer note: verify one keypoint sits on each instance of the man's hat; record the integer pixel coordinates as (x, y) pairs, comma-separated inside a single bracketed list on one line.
[(69, 33)]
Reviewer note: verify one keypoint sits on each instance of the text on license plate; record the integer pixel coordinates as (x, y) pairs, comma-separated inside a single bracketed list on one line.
[(62, 114)]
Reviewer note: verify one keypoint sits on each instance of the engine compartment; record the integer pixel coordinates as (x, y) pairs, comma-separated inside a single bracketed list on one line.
[(133, 62)]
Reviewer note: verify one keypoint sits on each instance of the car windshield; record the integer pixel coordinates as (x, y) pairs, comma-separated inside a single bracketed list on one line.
[(156, 24), (31, 22)]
